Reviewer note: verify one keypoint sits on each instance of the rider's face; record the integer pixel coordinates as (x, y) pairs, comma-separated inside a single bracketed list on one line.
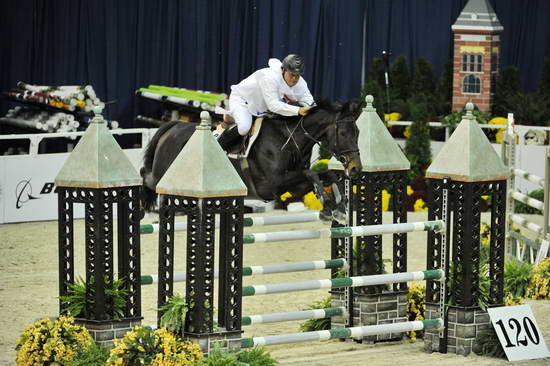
[(290, 78)]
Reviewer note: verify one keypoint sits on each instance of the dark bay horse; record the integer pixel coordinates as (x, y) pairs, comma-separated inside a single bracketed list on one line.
[(279, 160)]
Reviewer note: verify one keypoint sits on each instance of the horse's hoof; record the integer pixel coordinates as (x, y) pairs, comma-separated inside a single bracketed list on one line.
[(340, 217), (325, 216)]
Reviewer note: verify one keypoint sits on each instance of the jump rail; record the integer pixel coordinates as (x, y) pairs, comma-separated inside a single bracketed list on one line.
[(435, 274), (354, 332), (293, 315), (343, 232), (269, 269), (248, 221)]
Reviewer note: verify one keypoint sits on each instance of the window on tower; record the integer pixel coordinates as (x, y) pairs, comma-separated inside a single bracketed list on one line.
[(471, 84), (472, 63)]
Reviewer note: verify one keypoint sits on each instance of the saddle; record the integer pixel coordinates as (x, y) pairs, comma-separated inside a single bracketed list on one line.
[(242, 149), (239, 152)]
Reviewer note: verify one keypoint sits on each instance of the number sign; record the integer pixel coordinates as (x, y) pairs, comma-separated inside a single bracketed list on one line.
[(518, 332)]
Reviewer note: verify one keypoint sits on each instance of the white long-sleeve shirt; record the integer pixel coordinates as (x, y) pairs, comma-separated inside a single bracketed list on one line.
[(265, 89)]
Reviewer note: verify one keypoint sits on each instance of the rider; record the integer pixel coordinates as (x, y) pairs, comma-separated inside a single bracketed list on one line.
[(270, 89)]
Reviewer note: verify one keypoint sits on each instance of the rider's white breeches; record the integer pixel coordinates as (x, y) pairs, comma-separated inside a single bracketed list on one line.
[(241, 114)]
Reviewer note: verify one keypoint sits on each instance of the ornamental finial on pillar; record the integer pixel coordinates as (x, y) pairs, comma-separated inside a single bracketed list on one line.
[(469, 110), (206, 121), (369, 99)]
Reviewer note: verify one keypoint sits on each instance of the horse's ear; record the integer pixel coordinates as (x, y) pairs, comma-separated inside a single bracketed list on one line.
[(354, 107)]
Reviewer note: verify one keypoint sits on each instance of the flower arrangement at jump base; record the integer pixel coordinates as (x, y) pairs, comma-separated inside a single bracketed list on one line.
[(539, 286), (144, 346), (415, 306), (51, 342)]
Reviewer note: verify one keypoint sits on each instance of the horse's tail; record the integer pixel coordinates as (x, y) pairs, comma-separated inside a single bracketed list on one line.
[(149, 195)]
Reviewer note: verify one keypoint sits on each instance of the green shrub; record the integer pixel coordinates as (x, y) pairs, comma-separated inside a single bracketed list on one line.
[(444, 94), (219, 357), (530, 109), (376, 73), (488, 344), (317, 324), (517, 276), (508, 90), (257, 356), (417, 146), (484, 284), (93, 355), (400, 81), (402, 107), (452, 119), (423, 81), (522, 208), (544, 82), (115, 298), (173, 317)]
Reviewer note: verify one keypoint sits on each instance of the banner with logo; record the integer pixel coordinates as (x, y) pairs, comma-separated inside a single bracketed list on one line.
[(27, 190)]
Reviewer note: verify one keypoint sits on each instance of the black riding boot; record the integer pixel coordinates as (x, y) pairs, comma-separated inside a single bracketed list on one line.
[(229, 137)]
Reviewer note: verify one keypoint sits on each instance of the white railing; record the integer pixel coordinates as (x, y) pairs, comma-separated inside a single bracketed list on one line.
[(532, 250), (36, 138), (520, 129)]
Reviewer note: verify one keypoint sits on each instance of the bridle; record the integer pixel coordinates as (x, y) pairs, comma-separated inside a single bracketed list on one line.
[(333, 149)]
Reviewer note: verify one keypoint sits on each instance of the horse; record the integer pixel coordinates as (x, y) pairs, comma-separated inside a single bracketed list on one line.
[(279, 159)]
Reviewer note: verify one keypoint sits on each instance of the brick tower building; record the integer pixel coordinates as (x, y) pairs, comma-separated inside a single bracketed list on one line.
[(476, 55)]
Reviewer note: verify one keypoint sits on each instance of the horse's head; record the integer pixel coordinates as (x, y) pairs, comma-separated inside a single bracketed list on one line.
[(341, 134)]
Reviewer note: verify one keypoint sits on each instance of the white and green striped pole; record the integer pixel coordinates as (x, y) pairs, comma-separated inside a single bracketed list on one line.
[(539, 205), (522, 221), (528, 176), (293, 315), (247, 222), (434, 274), (154, 228), (269, 269), (354, 332), (343, 232)]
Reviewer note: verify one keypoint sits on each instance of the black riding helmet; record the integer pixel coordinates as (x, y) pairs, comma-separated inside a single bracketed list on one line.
[(294, 64)]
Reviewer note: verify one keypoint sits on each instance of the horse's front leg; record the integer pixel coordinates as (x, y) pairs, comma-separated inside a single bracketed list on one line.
[(331, 202)]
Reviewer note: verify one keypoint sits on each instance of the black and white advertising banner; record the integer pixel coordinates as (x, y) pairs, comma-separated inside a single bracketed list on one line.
[(27, 189)]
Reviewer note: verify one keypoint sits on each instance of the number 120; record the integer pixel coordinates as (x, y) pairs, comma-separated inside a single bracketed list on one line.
[(514, 324)]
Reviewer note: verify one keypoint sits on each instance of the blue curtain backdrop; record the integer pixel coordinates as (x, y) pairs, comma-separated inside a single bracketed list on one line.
[(119, 46)]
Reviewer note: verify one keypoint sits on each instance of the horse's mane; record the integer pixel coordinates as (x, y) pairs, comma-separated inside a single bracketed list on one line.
[(352, 106)]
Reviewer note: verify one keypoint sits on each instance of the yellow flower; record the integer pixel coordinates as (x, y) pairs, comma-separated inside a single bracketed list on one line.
[(50, 341), (420, 205), (409, 190), (499, 136), (392, 116), (500, 132), (385, 200), (539, 286), (407, 132), (498, 121)]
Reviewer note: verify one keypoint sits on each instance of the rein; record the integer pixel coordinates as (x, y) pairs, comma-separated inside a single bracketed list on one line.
[(336, 121)]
